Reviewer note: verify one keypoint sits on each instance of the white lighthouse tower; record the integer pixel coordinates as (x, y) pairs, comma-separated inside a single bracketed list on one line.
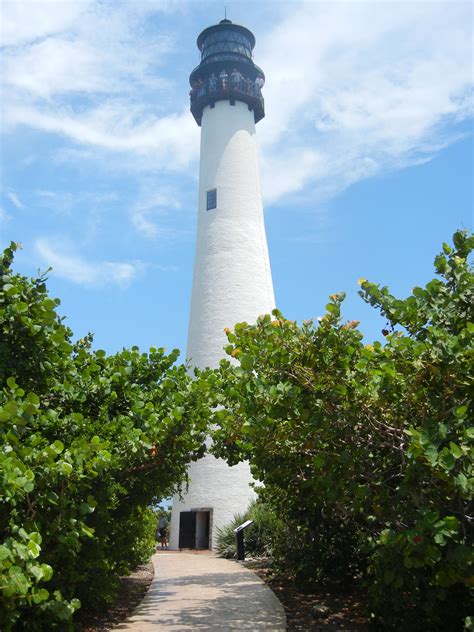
[(232, 278)]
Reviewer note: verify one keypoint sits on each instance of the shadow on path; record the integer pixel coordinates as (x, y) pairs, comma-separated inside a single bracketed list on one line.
[(205, 593)]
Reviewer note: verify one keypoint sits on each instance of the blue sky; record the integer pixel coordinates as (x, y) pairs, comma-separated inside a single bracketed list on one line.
[(366, 152)]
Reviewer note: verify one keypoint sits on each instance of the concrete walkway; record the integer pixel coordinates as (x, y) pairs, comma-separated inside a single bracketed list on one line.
[(200, 591)]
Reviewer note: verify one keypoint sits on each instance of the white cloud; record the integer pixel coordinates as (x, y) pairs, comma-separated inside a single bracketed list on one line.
[(162, 268), (92, 75), (354, 89), (12, 196), (367, 86), (23, 21), (4, 216), (170, 142), (152, 207), (26, 21), (96, 56), (60, 203), (57, 65), (64, 203), (289, 171), (68, 265)]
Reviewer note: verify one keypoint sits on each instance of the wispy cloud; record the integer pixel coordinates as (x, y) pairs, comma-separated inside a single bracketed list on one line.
[(354, 89), (71, 66), (79, 73), (362, 88), (64, 202), (24, 21), (117, 128), (73, 267), (148, 213), (4, 216), (13, 197), (60, 203), (163, 268), (288, 171)]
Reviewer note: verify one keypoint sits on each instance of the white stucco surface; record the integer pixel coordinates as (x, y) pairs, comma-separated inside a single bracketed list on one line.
[(232, 283), (232, 279)]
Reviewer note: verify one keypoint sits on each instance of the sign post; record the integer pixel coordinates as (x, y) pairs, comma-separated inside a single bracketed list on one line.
[(239, 536)]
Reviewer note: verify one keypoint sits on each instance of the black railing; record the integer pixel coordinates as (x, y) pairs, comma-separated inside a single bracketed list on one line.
[(225, 84), (227, 87)]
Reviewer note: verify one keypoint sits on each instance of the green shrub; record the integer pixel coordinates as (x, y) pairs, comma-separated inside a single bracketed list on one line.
[(87, 442), (366, 450)]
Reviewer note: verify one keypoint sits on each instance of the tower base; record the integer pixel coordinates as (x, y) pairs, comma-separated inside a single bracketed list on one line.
[(227, 492)]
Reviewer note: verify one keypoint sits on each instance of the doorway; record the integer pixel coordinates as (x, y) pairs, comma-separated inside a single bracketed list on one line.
[(194, 529)]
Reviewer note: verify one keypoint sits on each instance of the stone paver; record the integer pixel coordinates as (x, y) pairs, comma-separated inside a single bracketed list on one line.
[(192, 591)]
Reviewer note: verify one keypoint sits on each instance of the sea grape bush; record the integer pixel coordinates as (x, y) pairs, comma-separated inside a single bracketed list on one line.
[(366, 450), (87, 442)]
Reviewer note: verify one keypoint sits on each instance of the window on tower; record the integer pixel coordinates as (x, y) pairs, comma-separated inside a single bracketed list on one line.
[(211, 199)]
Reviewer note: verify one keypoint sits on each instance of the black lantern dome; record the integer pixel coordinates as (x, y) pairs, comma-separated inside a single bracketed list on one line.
[(227, 71)]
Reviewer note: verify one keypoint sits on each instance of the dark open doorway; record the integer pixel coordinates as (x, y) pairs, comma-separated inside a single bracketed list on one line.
[(194, 529)]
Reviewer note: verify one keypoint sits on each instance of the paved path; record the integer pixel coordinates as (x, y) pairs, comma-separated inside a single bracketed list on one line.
[(200, 591)]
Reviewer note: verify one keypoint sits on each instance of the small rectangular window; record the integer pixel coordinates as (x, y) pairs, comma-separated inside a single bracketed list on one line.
[(211, 199)]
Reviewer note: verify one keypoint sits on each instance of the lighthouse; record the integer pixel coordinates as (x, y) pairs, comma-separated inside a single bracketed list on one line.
[(232, 278)]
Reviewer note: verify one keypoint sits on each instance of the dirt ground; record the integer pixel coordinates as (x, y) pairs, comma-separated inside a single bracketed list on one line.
[(320, 609), (132, 590)]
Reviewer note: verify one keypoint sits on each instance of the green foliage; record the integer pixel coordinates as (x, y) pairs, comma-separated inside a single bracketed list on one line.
[(226, 545), (366, 450), (259, 537), (87, 442)]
